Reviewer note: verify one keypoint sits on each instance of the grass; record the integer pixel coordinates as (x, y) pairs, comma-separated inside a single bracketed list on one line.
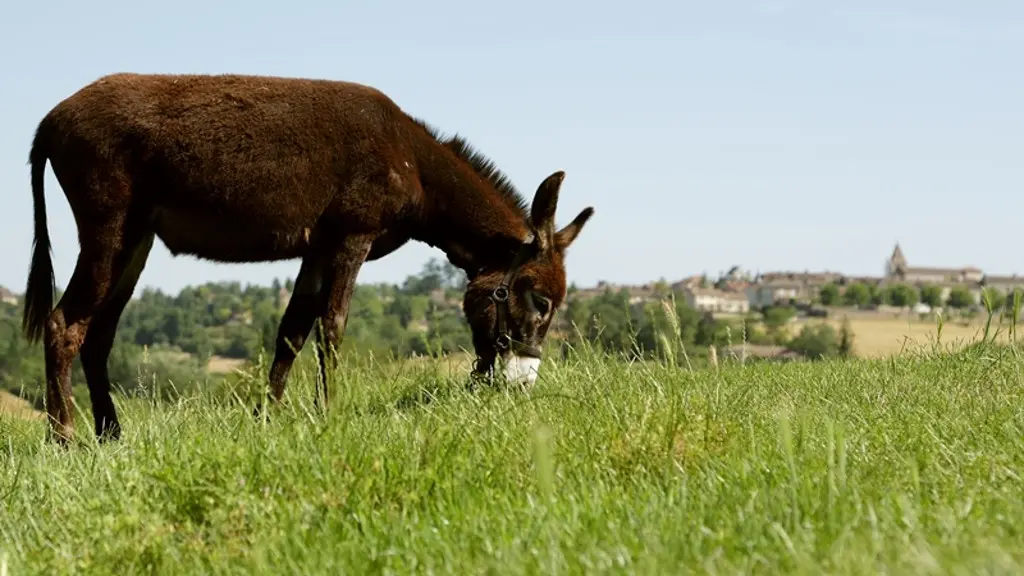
[(905, 465)]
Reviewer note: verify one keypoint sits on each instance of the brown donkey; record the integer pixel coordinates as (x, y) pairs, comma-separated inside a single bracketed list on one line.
[(252, 169)]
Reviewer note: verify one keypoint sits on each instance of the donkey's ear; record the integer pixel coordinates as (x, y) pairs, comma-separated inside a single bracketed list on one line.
[(565, 236), (542, 213)]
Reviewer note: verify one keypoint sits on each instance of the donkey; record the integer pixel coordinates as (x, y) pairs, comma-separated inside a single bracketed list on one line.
[(236, 168)]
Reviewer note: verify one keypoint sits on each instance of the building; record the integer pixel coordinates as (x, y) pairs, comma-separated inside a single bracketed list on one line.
[(898, 270), (812, 279), (695, 281), (716, 301), (762, 295), (773, 288), (634, 294), (1004, 284), (723, 295), (8, 297), (871, 281)]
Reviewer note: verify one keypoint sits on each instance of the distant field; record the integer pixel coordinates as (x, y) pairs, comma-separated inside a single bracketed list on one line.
[(877, 336), (222, 365), (11, 405), (840, 467)]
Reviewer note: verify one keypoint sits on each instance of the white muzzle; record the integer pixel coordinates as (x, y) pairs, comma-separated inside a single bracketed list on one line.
[(521, 369)]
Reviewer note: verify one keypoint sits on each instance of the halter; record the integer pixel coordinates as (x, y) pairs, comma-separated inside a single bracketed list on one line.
[(500, 297)]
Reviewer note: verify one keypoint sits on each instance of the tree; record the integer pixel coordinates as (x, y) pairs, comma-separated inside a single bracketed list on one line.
[(993, 299), (662, 289), (931, 295), (777, 316), (902, 295), (454, 277), (960, 297), (829, 294), (408, 308), (878, 296), (857, 294), (172, 325), (816, 342), (688, 319), (1014, 301), (845, 348), (710, 332)]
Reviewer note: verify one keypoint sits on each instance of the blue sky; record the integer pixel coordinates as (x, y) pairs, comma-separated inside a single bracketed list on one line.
[(769, 134)]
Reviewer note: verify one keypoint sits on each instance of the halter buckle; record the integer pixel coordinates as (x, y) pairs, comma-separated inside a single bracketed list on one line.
[(500, 294), (503, 341)]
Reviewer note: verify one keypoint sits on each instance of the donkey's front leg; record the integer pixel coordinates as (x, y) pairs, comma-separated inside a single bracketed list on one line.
[(341, 282)]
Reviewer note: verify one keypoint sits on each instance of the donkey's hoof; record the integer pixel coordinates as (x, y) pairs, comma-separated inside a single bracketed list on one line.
[(109, 432), (259, 412)]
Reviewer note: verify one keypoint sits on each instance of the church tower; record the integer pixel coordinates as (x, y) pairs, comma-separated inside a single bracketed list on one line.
[(897, 262)]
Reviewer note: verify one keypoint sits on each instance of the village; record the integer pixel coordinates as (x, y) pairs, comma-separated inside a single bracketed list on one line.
[(737, 292)]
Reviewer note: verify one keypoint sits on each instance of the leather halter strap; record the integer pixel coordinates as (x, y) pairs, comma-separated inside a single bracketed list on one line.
[(500, 297)]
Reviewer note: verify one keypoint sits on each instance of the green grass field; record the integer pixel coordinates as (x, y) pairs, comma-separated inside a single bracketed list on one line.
[(910, 465)]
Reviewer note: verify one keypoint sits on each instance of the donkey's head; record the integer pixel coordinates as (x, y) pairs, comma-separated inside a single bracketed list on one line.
[(510, 309)]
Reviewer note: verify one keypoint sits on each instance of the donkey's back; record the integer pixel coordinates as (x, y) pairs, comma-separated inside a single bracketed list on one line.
[(232, 167)]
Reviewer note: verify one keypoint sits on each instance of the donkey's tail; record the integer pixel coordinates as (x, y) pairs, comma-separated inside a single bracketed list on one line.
[(40, 289)]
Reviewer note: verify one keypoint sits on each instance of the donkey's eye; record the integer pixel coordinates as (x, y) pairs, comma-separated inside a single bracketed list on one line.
[(542, 304)]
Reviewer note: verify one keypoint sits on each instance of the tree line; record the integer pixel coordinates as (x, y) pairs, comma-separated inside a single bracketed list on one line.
[(901, 295), (171, 337)]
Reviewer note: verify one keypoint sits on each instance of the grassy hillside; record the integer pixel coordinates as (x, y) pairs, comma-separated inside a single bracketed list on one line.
[(838, 466)]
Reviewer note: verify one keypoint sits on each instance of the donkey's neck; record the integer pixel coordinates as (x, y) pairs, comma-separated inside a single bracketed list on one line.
[(463, 215)]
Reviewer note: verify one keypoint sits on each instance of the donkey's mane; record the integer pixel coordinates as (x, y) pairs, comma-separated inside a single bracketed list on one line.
[(482, 165)]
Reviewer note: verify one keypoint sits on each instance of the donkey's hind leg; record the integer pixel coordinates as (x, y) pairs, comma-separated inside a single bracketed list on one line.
[(103, 257), (99, 340), (302, 310)]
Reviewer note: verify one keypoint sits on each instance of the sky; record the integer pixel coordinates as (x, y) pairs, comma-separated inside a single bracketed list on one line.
[(771, 135)]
